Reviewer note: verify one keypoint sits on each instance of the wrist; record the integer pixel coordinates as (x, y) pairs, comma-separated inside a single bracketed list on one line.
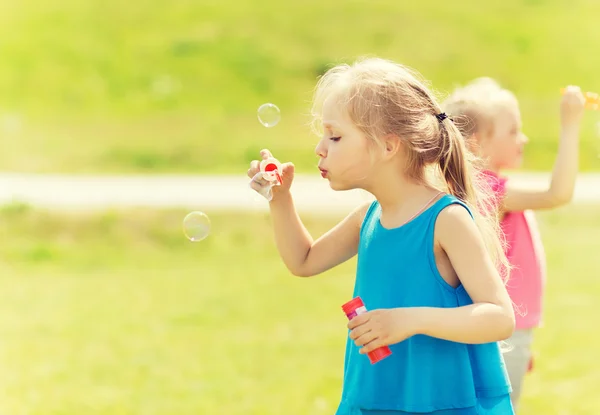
[(280, 197), (570, 126), (416, 318)]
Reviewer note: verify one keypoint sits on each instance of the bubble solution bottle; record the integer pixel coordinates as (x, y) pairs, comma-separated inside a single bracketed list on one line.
[(352, 309)]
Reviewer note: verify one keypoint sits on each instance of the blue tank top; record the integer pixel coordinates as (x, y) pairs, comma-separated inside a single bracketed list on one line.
[(396, 268)]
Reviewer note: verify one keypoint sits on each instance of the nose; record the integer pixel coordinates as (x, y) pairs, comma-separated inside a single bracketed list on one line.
[(524, 138), (320, 149)]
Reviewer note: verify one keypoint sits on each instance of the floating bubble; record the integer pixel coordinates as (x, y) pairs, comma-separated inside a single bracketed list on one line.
[(269, 115), (196, 226)]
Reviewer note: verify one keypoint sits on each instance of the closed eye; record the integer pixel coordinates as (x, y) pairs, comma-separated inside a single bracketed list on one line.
[(335, 138)]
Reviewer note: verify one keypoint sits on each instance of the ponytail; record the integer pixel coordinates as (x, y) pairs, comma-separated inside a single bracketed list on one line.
[(453, 162), (466, 182)]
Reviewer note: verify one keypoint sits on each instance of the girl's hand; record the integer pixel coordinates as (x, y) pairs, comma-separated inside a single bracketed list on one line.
[(572, 106), (382, 327), (258, 183)]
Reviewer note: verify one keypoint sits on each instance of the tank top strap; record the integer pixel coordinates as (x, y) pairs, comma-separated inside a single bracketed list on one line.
[(442, 203), (370, 216), (434, 211)]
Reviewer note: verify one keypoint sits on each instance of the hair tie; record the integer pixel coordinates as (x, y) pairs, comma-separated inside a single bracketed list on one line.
[(441, 116)]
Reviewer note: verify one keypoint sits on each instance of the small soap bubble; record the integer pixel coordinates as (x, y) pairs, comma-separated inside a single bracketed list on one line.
[(196, 226), (269, 115)]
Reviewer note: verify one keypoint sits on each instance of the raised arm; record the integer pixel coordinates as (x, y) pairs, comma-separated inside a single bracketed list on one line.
[(562, 185), (305, 257)]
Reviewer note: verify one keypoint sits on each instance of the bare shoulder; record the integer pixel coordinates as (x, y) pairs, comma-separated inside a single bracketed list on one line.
[(360, 212), (453, 222), (337, 245)]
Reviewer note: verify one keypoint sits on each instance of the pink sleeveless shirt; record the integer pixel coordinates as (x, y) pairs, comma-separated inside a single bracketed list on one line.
[(526, 255)]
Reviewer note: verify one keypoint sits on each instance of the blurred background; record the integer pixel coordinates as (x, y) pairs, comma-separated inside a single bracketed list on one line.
[(111, 310)]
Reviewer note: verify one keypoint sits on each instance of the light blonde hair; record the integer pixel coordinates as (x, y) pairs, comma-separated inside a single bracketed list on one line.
[(476, 105), (382, 98)]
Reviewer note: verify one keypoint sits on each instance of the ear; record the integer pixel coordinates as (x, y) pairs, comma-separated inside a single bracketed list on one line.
[(392, 145)]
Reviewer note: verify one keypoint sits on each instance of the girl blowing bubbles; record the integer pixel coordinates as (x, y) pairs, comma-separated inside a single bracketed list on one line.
[(427, 257)]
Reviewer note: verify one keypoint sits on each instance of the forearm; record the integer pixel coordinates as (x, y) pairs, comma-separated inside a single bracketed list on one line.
[(566, 166), (291, 237), (472, 324)]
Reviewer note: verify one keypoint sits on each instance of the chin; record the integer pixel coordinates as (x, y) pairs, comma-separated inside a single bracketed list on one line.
[(339, 186), (517, 163)]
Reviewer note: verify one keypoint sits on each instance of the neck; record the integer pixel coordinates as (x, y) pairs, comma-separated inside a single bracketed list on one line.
[(493, 169), (394, 192)]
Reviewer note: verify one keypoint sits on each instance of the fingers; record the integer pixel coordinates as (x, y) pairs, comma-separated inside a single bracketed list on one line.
[(256, 186), (260, 185), (362, 335), (376, 343), (573, 98), (359, 320), (572, 89), (259, 179), (287, 171), (254, 168), (255, 164), (265, 154), (365, 339), (359, 331), (287, 167)]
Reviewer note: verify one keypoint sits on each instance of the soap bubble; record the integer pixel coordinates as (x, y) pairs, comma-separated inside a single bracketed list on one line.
[(196, 226), (269, 115)]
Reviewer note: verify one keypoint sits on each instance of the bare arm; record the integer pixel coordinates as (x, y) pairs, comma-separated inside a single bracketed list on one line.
[(302, 255), (490, 317), (562, 184), (305, 257)]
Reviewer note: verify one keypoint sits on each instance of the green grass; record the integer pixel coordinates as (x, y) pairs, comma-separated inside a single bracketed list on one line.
[(157, 86), (117, 313)]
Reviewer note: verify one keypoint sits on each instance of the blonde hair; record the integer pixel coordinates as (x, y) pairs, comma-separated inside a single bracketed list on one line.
[(382, 98), (475, 105)]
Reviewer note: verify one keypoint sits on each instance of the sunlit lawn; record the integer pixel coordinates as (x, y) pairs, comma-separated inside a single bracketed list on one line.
[(117, 313)]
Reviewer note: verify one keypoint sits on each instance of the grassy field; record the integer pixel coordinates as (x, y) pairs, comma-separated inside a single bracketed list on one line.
[(117, 313), (173, 86)]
